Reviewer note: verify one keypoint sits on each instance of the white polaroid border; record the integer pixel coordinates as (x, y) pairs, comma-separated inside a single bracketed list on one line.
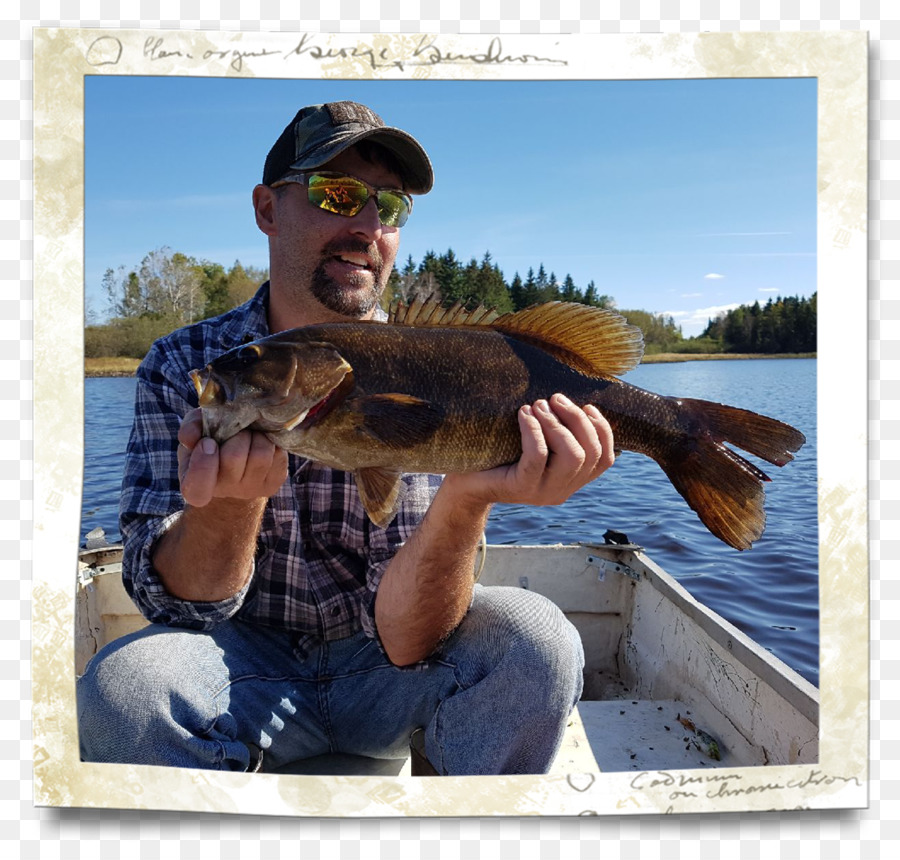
[(838, 59)]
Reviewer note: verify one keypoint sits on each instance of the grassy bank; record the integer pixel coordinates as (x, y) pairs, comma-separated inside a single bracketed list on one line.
[(663, 357), (110, 366)]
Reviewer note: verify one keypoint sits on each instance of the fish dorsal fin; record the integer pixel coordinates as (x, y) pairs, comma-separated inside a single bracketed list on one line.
[(430, 312), (595, 341)]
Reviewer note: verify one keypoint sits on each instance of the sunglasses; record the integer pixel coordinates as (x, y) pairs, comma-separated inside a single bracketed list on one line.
[(346, 195)]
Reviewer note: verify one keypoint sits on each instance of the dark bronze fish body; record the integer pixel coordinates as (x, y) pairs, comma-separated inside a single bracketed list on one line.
[(438, 391)]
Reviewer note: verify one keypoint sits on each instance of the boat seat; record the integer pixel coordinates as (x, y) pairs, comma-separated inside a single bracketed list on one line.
[(601, 736), (340, 764), (574, 756)]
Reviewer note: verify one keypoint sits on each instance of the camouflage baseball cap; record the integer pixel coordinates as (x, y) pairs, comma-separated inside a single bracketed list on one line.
[(320, 132)]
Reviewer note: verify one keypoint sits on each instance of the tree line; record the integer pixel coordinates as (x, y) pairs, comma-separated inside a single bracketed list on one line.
[(781, 325), (482, 282), (170, 289), (167, 290)]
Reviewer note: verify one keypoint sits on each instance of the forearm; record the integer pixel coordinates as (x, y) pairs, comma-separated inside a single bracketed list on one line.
[(427, 587), (208, 553)]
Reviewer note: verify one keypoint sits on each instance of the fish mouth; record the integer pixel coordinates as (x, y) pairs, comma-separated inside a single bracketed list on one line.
[(208, 390)]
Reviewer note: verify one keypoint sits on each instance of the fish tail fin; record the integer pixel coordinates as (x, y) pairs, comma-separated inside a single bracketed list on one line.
[(767, 438), (724, 489)]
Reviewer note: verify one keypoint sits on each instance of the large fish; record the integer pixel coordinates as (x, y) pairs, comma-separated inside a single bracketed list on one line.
[(437, 390)]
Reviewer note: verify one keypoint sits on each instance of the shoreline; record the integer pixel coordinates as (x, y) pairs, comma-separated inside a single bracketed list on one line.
[(669, 357), (105, 368)]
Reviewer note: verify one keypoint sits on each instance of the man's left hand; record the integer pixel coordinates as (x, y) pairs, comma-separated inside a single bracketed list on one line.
[(564, 447)]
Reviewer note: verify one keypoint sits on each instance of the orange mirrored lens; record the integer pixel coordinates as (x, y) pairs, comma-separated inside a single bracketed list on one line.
[(344, 195)]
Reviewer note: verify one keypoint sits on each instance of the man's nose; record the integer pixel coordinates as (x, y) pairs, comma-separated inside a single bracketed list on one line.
[(367, 222)]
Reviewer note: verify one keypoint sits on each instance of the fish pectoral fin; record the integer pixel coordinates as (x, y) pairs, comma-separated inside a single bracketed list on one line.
[(381, 492), (398, 420)]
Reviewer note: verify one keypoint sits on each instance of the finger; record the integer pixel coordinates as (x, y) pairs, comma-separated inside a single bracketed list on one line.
[(535, 452), (566, 452), (604, 436), (590, 430), (191, 428), (261, 460), (233, 455), (199, 481), (277, 473)]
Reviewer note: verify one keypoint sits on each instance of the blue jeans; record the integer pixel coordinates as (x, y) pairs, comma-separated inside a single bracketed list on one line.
[(495, 699)]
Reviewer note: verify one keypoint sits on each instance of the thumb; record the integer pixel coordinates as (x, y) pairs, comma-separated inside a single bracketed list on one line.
[(199, 479)]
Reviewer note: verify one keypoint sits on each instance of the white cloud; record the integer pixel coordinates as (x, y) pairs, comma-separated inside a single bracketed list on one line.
[(691, 295), (712, 276), (693, 322), (768, 289)]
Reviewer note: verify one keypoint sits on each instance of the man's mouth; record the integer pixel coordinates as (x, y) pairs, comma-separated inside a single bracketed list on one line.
[(359, 261)]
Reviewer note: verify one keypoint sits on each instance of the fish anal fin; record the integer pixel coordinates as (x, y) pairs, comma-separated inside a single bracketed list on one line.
[(397, 420), (381, 492), (594, 341)]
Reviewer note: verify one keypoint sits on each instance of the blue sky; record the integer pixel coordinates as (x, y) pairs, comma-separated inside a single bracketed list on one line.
[(675, 197)]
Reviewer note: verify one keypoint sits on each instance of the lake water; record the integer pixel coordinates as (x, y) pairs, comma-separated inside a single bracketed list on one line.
[(771, 591)]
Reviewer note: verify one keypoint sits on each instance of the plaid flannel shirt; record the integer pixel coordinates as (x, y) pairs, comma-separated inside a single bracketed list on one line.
[(319, 559)]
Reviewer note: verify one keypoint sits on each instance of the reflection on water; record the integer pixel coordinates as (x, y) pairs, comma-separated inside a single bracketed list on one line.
[(770, 591)]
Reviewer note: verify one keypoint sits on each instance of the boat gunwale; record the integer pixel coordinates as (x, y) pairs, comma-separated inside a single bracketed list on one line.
[(785, 681)]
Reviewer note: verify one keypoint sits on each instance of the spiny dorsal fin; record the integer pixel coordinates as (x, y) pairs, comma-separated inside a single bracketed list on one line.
[(430, 312), (595, 341)]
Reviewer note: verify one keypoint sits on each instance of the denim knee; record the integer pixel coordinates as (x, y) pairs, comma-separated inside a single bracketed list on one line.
[(530, 638), (144, 697), (518, 664)]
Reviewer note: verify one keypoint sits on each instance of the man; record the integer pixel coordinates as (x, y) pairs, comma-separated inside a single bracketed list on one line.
[(285, 624)]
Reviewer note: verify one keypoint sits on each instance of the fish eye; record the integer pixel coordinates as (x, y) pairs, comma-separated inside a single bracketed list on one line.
[(250, 352)]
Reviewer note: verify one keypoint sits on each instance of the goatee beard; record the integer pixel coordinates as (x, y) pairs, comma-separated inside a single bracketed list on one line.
[(359, 302)]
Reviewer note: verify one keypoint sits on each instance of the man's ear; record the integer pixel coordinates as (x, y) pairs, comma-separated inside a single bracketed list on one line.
[(264, 205)]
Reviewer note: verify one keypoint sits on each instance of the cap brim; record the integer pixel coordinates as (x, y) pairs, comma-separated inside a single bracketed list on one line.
[(418, 175)]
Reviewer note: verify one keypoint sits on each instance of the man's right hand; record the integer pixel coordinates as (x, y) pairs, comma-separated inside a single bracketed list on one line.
[(246, 466), (207, 554)]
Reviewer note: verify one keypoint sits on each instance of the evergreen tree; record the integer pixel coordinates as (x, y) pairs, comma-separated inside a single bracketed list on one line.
[(427, 276), (490, 286), (450, 279), (517, 293), (531, 292), (569, 292), (551, 293), (782, 325)]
